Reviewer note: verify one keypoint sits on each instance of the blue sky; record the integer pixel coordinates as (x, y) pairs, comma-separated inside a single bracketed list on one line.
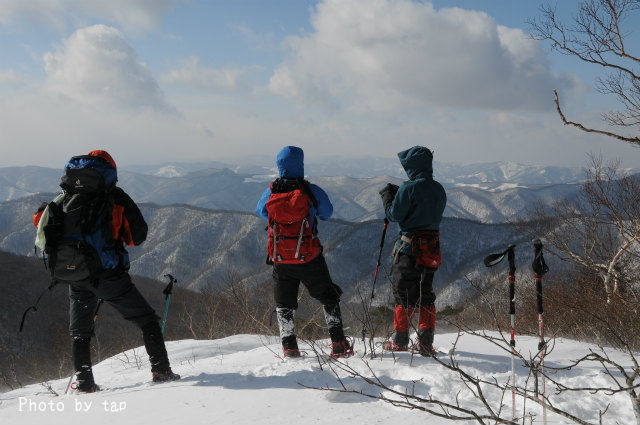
[(196, 80)]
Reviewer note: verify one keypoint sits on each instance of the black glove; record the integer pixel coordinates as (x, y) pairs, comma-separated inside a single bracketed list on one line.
[(388, 193)]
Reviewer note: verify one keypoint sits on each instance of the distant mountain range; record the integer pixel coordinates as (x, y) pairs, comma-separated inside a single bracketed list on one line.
[(367, 167), (486, 193), (201, 247)]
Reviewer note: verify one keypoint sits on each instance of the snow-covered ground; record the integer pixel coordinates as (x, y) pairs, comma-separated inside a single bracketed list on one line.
[(239, 380)]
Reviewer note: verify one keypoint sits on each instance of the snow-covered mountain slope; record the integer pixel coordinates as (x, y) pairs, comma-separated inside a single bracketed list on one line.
[(239, 380), (367, 167), (201, 246), (355, 199)]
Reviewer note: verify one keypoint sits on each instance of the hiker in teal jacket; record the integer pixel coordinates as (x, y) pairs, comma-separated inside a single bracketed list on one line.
[(417, 206)]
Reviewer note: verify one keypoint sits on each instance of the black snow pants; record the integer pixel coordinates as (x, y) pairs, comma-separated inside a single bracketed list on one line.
[(119, 292), (314, 275), (406, 282)]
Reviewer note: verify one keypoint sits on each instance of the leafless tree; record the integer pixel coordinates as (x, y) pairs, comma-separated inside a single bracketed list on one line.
[(599, 229), (599, 35)]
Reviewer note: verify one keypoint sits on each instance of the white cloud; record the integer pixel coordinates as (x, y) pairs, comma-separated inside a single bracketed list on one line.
[(97, 66), (259, 41), (191, 74), (132, 15), (386, 54), (9, 77)]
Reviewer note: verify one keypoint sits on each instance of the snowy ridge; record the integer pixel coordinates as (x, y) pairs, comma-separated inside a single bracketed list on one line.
[(239, 380), (201, 246), (354, 199)]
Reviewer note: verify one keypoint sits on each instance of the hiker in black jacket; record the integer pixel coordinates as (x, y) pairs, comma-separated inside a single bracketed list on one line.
[(83, 231)]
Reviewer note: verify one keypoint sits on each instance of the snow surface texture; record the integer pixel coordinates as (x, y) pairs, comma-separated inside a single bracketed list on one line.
[(239, 380)]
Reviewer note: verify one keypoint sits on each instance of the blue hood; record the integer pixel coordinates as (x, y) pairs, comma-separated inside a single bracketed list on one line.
[(290, 162), (417, 162)]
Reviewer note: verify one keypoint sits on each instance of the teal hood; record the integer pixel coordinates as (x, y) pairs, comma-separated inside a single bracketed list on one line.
[(417, 162)]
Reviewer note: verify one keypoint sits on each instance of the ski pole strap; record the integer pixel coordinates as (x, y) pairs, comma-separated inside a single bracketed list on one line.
[(539, 266), (34, 307)]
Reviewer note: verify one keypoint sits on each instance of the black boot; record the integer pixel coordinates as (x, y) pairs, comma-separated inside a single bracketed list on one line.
[(290, 346), (425, 342), (154, 343), (165, 376), (333, 317), (398, 342), (81, 352), (340, 345)]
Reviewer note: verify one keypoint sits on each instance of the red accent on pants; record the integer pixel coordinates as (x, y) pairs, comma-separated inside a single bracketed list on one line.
[(402, 318), (428, 317)]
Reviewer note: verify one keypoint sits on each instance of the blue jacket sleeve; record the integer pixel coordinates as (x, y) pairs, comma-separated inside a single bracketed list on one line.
[(325, 207), (400, 206), (261, 208)]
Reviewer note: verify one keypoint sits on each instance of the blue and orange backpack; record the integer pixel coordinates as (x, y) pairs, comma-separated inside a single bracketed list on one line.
[(79, 233)]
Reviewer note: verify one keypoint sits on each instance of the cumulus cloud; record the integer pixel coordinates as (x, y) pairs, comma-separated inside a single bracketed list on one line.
[(132, 15), (191, 74), (97, 66), (385, 54)]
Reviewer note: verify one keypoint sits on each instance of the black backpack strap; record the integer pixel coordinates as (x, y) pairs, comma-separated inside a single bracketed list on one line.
[(34, 307), (284, 185), (306, 186)]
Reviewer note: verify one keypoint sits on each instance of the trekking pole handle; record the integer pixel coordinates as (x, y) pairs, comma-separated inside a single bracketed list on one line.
[(169, 288)]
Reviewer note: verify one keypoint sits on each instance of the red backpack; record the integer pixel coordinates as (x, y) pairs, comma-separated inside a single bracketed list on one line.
[(291, 239)]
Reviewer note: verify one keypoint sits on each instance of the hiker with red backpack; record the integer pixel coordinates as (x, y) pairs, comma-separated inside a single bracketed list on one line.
[(292, 206), (83, 232), (417, 206)]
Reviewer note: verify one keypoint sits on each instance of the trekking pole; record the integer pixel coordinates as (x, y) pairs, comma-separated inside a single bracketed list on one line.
[(93, 328), (540, 267), (375, 277), (167, 297), (491, 261)]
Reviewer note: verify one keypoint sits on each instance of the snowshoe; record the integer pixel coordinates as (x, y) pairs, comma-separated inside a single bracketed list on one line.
[(427, 350), (392, 346), (398, 342), (290, 347), (341, 349), (85, 389), (293, 353), (165, 376)]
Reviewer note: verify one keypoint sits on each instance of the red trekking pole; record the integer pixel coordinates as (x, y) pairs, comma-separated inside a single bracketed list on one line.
[(540, 267), (375, 277)]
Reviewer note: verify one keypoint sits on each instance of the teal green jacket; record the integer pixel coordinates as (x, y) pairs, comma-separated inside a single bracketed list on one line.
[(420, 201)]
